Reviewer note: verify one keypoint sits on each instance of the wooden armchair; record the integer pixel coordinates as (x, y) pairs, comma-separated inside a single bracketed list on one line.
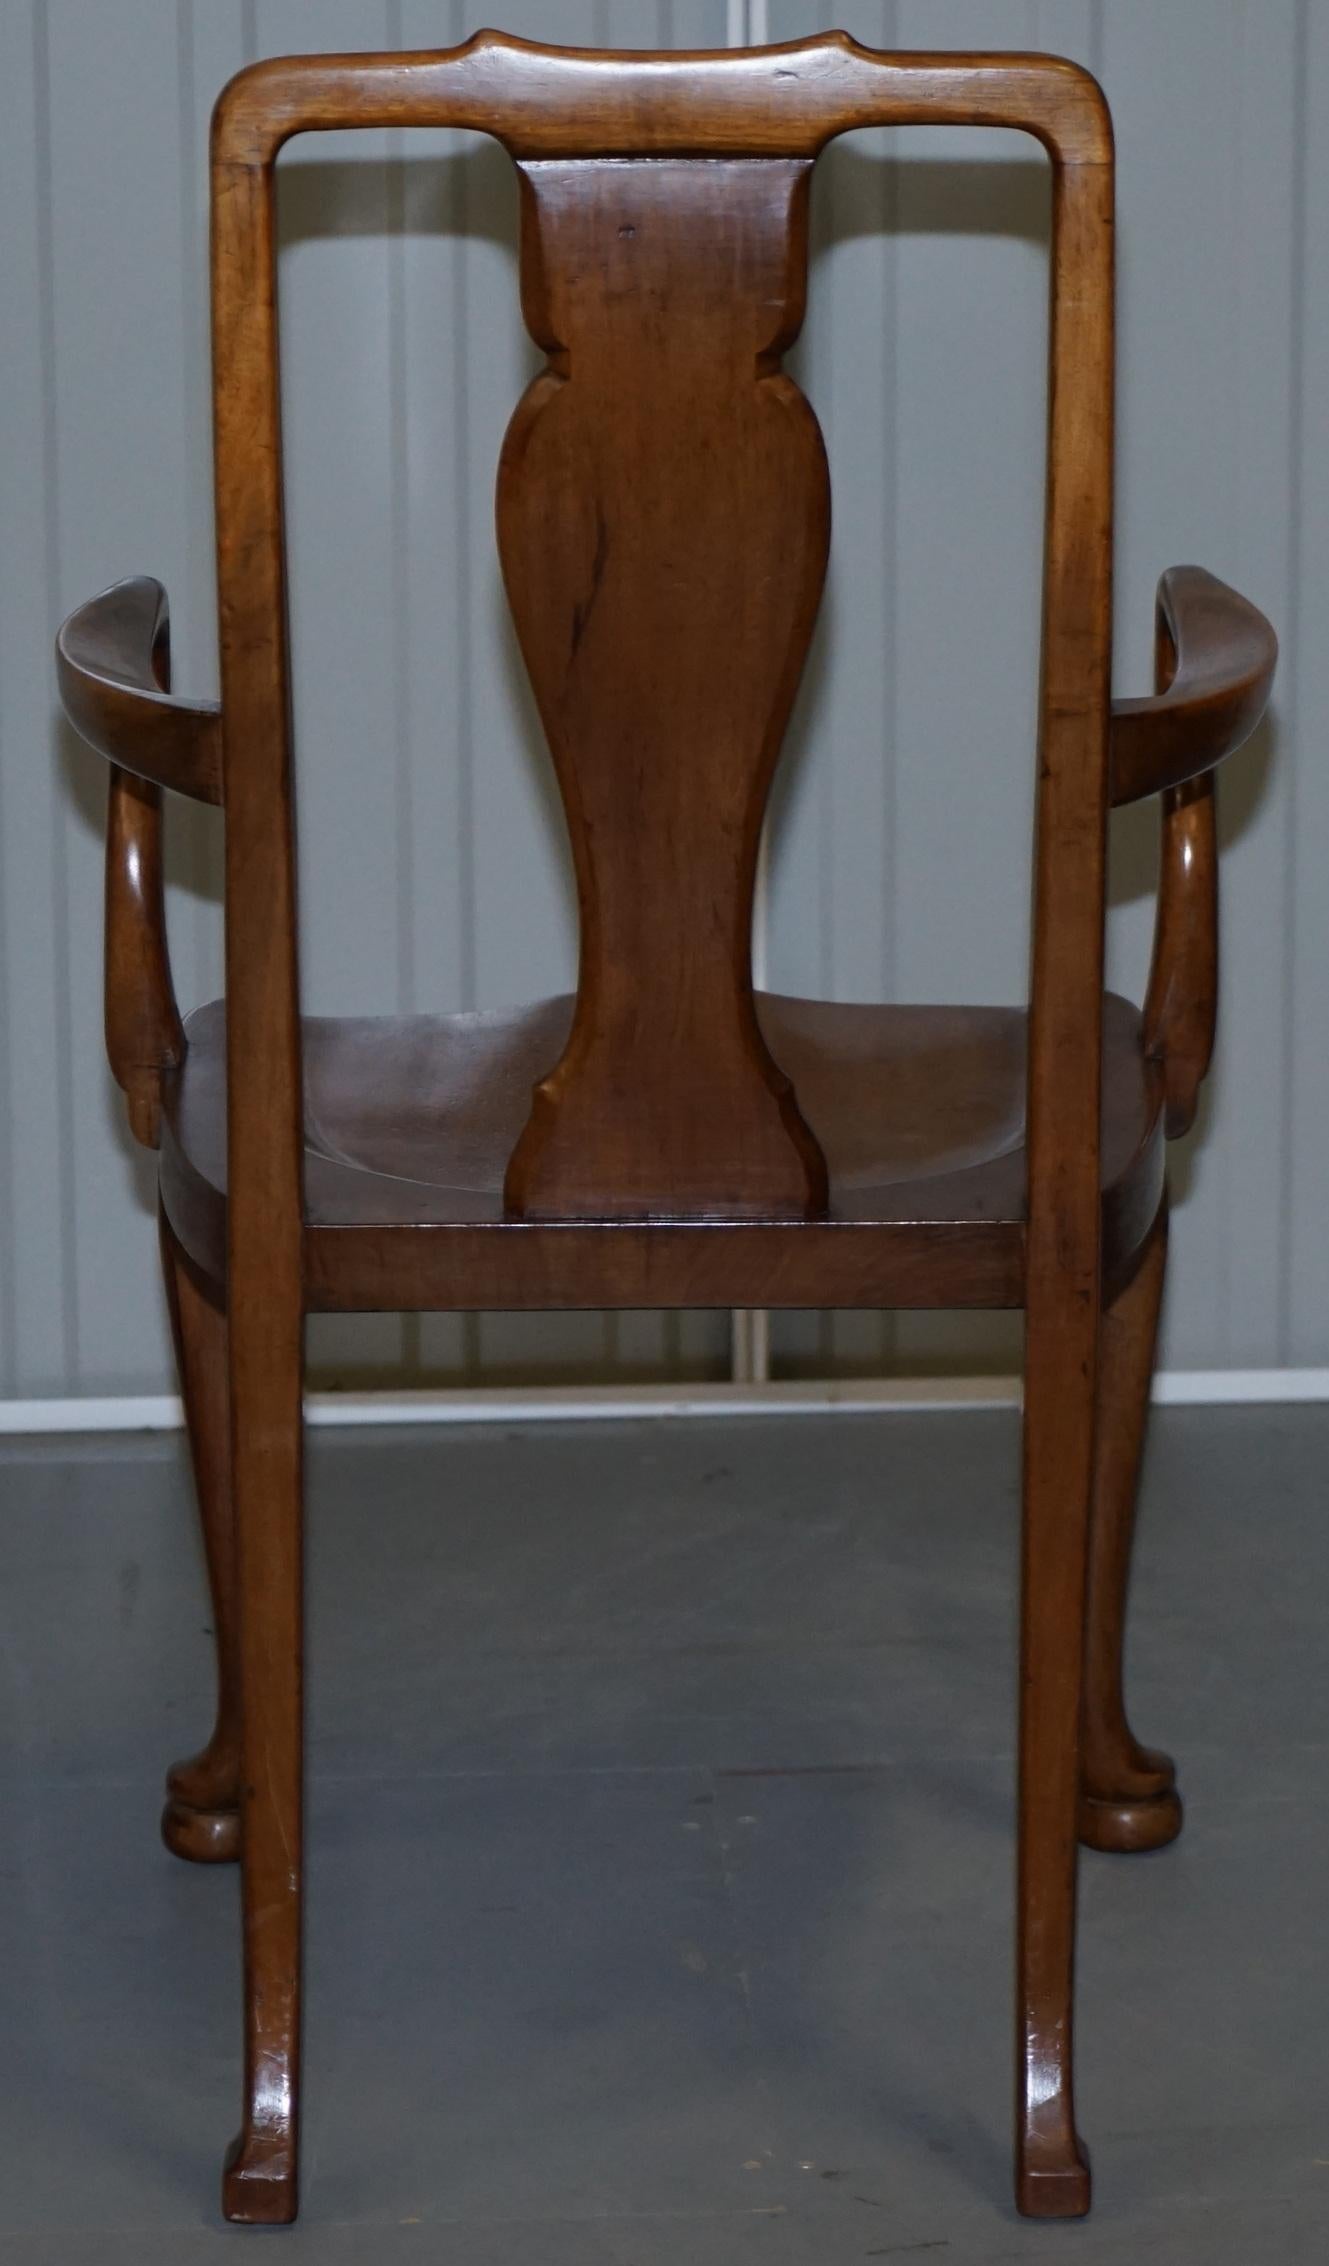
[(667, 1138)]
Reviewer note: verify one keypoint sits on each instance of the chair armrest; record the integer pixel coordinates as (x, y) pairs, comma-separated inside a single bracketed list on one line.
[(113, 659), (1224, 653), (1214, 657), (112, 688)]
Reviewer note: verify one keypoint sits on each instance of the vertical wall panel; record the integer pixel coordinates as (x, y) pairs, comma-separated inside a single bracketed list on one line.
[(213, 43), (522, 903), (335, 217), (1220, 130), (38, 1295), (117, 319), (971, 415), (1303, 1175), (899, 855), (1205, 167), (831, 926), (449, 183), (908, 831), (1252, 1089)]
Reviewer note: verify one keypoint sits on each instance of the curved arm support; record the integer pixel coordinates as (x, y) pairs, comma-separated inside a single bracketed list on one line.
[(1223, 656), (115, 668), (144, 1034), (1181, 1005), (112, 679)]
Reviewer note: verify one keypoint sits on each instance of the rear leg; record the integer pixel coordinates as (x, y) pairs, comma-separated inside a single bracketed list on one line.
[(1051, 2168), (260, 2180)]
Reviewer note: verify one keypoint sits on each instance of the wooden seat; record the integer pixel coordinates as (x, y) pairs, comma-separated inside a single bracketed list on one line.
[(666, 1138), (919, 1111)]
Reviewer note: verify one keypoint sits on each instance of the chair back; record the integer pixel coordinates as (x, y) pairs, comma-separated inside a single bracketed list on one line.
[(663, 522)]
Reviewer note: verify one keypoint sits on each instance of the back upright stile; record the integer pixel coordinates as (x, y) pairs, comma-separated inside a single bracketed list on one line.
[(667, 1137)]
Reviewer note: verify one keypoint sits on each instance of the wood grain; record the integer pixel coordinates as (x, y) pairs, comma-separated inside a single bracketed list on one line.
[(201, 1821), (919, 1111), (1063, 1265), (782, 101), (1222, 657), (1181, 1004), (663, 522), (112, 667), (265, 1204), (1128, 1797), (122, 638)]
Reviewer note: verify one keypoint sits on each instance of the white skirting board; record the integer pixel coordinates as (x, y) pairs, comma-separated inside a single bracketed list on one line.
[(521, 1404)]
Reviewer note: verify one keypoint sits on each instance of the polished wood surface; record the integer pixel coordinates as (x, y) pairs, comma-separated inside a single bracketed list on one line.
[(1221, 659), (409, 1124), (782, 101), (1128, 1797), (112, 667), (667, 1137), (1181, 1004), (645, 469), (201, 1820), (144, 1035)]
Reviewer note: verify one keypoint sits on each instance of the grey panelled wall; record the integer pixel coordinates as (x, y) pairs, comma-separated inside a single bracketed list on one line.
[(899, 860), (928, 375)]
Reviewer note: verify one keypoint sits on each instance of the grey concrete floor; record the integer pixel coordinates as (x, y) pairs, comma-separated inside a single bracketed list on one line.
[(660, 1854)]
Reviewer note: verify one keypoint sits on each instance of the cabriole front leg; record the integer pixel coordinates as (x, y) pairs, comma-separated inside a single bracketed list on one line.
[(201, 1820), (1128, 1795)]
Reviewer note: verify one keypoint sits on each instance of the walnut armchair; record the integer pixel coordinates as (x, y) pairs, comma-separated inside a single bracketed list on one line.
[(668, 1137)]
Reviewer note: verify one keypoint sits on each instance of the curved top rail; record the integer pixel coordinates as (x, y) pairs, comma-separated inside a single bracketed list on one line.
[(112, 655), (1225, 657), (784, 101)]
